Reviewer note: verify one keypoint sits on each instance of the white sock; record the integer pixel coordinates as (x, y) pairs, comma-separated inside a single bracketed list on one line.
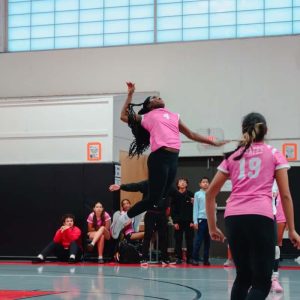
[(100, 257), (72, 256), (275, 275), (40, 256), (92, 243)]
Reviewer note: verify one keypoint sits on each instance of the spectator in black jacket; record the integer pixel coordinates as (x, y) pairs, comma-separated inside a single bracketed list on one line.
[(154, 220), (182, 216)]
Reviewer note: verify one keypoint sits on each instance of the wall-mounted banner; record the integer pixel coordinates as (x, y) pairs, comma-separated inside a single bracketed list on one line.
[(290, 151), (94, 151)]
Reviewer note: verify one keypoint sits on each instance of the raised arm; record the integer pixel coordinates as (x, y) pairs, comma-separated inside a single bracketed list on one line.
[(124, 111), (198, 137)]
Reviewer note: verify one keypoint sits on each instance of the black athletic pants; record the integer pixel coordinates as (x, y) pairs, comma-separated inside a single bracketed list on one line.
[(156, 221), (162, 168), (60, 252), (251, 241)]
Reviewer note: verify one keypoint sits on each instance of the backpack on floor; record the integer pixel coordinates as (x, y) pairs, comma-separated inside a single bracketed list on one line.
[(129, 253)]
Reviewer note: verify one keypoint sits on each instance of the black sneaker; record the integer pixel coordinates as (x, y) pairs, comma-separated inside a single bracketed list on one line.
[(178, 261), (195, 262), (206, 263), (165, 262), (100, 261), (38, 260), (190, 261), (90, 247)]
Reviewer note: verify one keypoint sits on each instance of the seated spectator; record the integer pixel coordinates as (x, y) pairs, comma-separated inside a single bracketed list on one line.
[(66, 244), (129, 232), (98, 229), (154, 220)]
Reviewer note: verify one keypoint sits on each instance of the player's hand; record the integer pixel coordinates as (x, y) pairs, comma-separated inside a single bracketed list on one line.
[(196, 226), (176, 226), (220, 143), (217, 235), (131, 87), (114, 187), (295, 238)]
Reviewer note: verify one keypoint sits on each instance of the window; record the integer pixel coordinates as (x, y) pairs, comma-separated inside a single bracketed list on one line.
[(55, 24)]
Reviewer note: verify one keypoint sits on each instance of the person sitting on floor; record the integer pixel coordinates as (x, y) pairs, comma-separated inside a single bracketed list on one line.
[(129, 231), (98, 229), (66, 244)]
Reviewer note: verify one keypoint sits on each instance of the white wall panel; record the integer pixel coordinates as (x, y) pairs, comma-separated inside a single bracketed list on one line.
[(211, 83), (54, 130)]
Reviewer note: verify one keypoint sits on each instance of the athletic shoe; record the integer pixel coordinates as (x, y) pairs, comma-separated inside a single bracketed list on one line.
[(206, 263), (229, 263), (178, 261), (71, 260), (100, 261), (276, 287), (38, 260), (117, 225), (144, 263), (189, 261), (195, 263), (165, 262), (90, 247)]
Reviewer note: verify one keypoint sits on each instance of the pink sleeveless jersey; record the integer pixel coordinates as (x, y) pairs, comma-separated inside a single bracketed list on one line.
[(252, 179), (163, 127)]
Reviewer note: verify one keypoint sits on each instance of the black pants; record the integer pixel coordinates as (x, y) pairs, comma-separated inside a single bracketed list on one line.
[(162, 168), (155, 221), (60, 252), (184, 227), (251, 241)]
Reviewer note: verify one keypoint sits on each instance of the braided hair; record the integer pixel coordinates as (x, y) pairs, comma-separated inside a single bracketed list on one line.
[(254, 128), (141, 140)]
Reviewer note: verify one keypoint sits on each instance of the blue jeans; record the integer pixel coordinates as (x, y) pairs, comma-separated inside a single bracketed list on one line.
[(202, 235)]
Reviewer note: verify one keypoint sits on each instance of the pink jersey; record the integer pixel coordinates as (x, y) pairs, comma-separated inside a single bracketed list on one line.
[(280, 216), (99, 221), (252, 179), (163, 127)]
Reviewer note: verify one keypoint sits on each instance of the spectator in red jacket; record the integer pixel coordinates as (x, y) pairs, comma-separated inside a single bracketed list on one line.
[(66, 244)]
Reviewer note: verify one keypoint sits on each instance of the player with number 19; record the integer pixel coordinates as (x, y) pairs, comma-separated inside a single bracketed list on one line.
[(249, 219)]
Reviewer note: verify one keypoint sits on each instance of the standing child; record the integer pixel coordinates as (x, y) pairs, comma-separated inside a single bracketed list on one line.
[(98, 229), (200, 223), (249, 219), (182, 216)]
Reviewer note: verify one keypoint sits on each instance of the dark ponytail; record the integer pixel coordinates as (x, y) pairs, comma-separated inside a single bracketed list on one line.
[(254, 128), (141, 140)]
